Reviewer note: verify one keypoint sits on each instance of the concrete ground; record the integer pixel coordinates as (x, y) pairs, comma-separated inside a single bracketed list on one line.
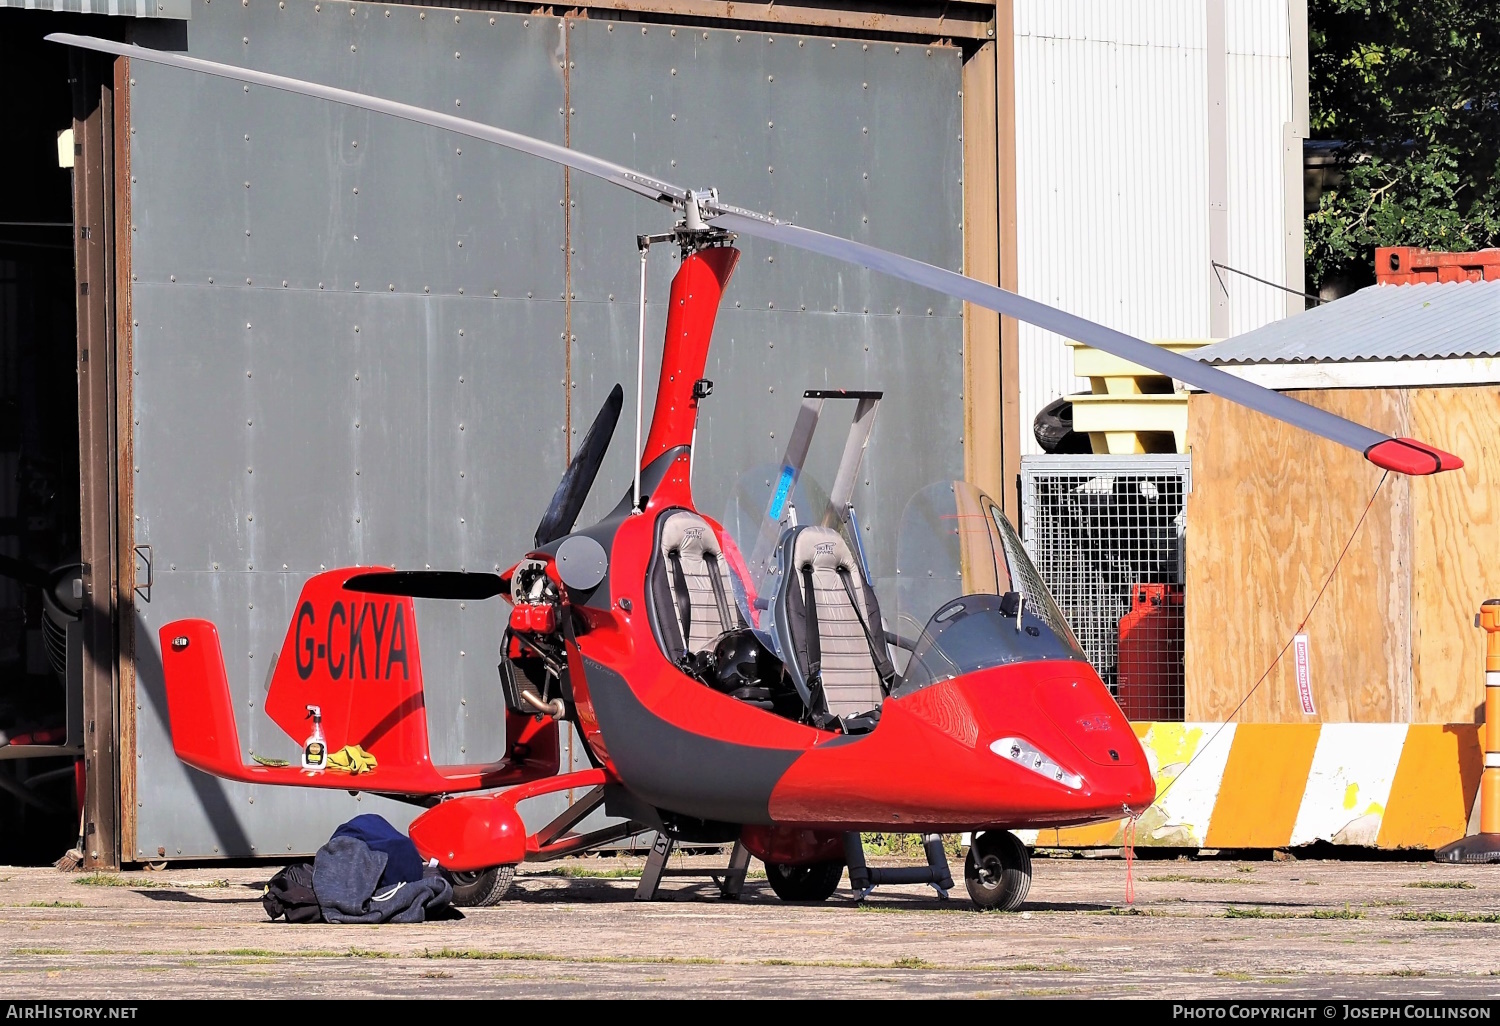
[(1207, 928)]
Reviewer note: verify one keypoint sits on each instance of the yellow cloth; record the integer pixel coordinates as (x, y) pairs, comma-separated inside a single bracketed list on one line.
[(352, 759)]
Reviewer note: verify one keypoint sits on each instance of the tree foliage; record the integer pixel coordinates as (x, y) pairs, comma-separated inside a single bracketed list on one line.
[(1412, 91)]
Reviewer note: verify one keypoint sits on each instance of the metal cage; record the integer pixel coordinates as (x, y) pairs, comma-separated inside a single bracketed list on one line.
[(1106, 533)]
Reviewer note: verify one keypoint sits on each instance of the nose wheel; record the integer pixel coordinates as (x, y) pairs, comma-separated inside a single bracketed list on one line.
[(997, 873)]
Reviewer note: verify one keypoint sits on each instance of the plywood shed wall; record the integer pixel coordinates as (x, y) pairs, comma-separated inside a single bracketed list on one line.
[(1394, 638)]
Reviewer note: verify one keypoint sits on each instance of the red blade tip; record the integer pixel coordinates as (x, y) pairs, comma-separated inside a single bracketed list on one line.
[(1409, 456)]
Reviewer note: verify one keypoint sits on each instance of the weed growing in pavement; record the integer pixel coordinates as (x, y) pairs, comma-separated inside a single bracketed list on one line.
[(1407, 972), (1323, 913), (538, 956), (1183, 878), (1028, 967), (39, 951), (1449, 917), (1442, 885), (911, 962), (52, 904), (1335, 913), (113, 880)]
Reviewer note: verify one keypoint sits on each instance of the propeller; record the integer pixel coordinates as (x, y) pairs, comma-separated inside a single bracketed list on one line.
[(429, 584), (578, 479), (701, 210)]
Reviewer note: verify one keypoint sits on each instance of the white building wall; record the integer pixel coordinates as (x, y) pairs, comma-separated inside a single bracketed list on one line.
[(1112, 171), (1259, 79)]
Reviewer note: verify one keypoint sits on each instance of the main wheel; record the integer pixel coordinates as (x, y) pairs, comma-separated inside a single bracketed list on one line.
[(481, 887), (997, 873), (804, 883)]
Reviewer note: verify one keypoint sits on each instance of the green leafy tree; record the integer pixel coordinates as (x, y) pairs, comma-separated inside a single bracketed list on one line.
[(1412, 91)]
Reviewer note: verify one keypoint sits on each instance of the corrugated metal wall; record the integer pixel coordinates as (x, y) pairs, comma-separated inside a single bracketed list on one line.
[(1112, 166)]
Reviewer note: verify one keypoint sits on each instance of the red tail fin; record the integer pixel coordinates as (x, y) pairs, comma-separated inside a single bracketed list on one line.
[(354, 655)]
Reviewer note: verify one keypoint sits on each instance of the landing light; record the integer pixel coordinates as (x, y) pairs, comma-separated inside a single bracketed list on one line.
[(1024, 753)]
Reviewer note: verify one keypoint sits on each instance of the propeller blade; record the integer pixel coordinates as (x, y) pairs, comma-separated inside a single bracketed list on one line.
[(1404, 455), (578, 479), (429, 584), (641, 185)]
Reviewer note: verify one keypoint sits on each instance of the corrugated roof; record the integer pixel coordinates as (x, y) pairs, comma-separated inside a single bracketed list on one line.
[(1382, 322)]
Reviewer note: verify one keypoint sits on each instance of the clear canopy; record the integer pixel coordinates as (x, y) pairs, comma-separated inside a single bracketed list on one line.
[(965, 596)]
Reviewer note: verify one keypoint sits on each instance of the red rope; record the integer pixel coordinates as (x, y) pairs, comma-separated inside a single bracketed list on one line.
[(1130, 861)]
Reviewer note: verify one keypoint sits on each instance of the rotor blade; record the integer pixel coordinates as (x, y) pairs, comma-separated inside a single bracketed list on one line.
[(578, 479), (429, 584), (641, 185), (1403, 455)]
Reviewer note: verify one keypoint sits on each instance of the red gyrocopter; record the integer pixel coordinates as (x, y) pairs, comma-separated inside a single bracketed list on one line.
[(762, 699)]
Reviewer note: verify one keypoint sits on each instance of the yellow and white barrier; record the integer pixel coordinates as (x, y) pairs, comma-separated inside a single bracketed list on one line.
[(1278, 785)]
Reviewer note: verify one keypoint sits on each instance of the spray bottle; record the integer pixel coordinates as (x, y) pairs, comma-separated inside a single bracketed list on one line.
[(315, 751)]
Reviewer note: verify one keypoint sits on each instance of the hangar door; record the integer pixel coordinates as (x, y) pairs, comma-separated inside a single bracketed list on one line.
[(360, 341)]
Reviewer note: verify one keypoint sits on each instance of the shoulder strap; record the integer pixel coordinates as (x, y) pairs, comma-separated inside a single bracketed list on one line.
[(882, 662), (814, 643), (680, 595), (716, 581)]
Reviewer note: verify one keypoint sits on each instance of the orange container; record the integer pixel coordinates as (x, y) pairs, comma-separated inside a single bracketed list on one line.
[(1150, 675)]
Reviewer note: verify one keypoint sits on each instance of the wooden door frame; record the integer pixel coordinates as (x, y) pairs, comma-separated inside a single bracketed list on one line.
[(92, 80)]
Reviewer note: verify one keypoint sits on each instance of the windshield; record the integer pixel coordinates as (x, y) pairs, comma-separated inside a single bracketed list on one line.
[(967, 595)]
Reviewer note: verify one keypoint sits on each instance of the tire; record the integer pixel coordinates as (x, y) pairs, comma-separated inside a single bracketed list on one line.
[(481, 887), (804, 883), (997, 872)]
